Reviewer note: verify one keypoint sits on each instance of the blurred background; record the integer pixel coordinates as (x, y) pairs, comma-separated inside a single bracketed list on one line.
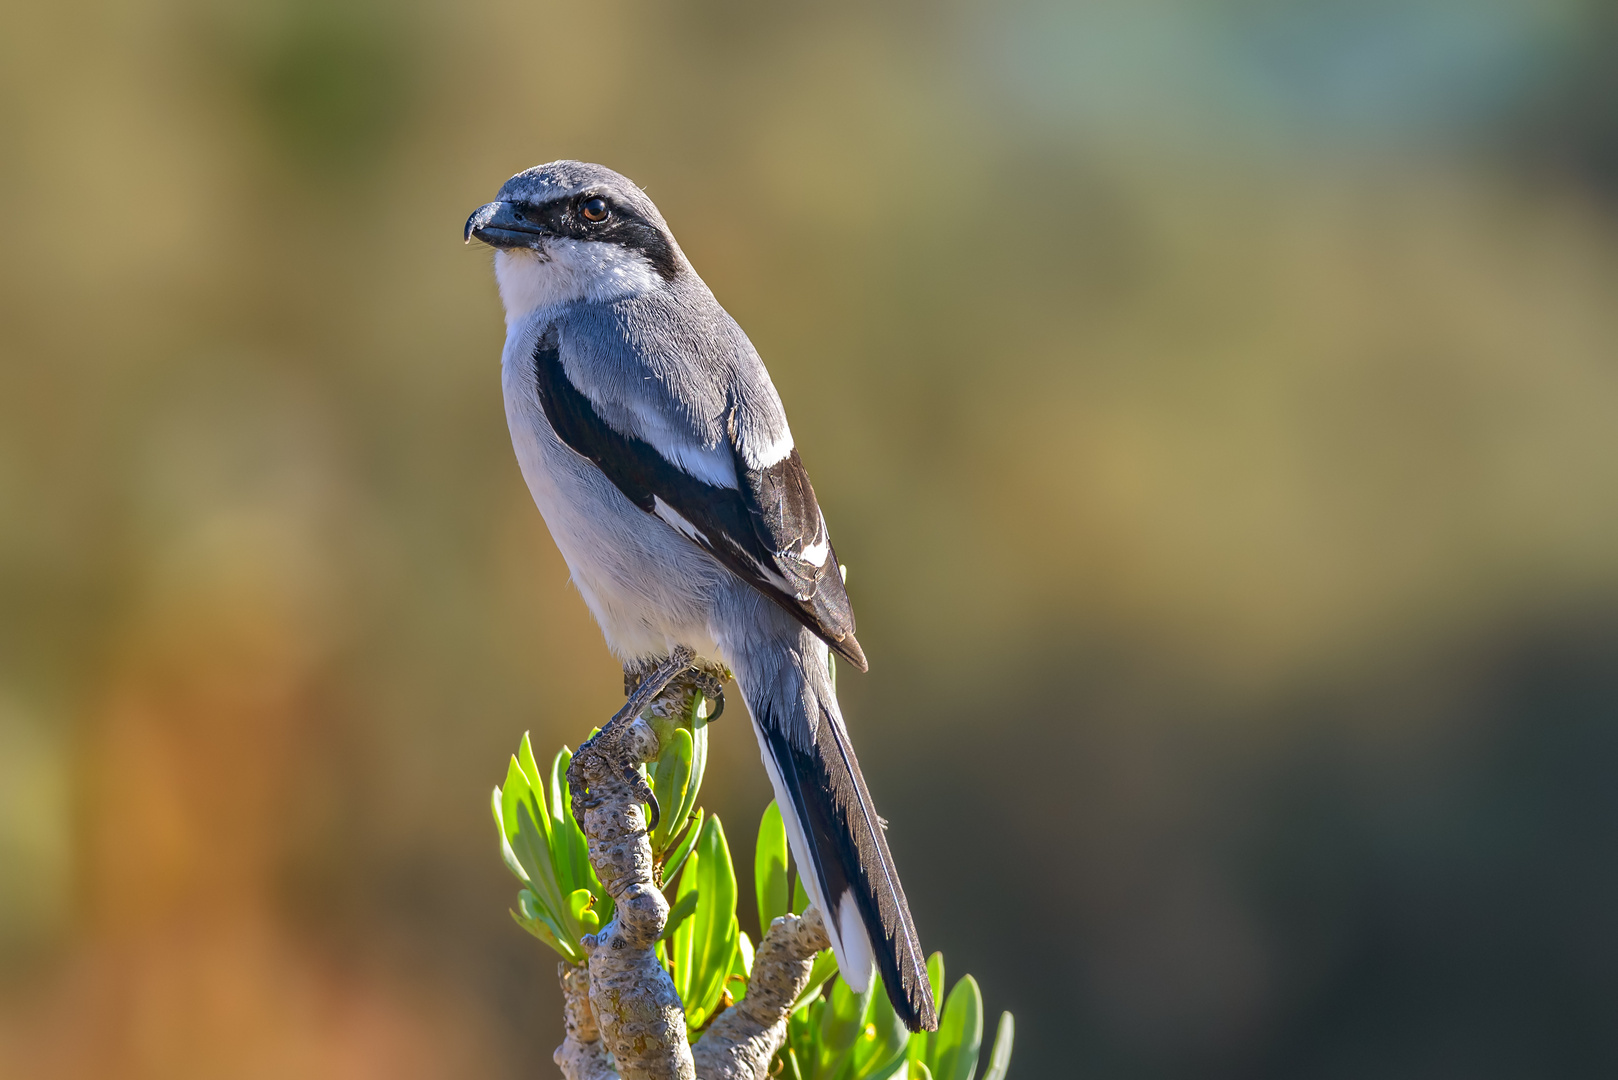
[(1216, 404)]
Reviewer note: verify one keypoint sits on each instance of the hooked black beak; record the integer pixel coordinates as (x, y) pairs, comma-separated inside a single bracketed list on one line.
[(501, 225)]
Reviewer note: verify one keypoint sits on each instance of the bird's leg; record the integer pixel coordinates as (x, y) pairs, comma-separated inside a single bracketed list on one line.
[(647, 685)]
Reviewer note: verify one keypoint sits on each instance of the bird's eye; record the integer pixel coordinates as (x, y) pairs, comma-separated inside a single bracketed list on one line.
[(594, 209)]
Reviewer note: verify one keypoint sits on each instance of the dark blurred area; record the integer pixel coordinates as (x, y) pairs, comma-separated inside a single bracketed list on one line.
[(1216, 405)]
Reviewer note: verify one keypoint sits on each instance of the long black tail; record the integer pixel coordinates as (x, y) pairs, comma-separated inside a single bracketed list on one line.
[(832, 826)]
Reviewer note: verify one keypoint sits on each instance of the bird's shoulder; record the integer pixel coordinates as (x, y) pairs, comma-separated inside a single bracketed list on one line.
[(671, 365)]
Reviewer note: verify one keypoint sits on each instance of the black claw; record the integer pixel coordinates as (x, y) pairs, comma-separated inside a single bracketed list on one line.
[(657, 812), (718, 698)]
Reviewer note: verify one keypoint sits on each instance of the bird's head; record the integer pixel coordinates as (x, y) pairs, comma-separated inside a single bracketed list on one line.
[(574, 231)]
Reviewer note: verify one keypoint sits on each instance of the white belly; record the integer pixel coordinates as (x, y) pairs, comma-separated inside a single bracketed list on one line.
[(648, 587)]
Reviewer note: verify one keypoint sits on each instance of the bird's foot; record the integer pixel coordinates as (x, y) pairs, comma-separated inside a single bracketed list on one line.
[(707, 677), (647, 685), (710, 678)]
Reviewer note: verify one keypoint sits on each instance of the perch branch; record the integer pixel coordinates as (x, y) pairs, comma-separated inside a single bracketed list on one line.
[(633, 999), (624, 1002)]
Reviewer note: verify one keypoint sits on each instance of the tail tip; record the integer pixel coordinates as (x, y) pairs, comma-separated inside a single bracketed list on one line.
[(914, 1004)]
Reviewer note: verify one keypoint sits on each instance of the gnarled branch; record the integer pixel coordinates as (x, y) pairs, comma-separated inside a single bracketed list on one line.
[(639, 1014), (623, 1002)]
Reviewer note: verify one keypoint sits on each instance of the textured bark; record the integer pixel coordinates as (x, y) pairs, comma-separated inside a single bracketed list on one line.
[(581, 1055), (640, 1016), (623, 1002), (739, 1044)]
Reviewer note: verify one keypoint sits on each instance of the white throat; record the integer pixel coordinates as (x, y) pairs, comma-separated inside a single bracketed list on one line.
[(566, 271)]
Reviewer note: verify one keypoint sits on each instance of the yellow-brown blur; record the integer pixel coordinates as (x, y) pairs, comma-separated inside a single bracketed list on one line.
[(1216, 405)]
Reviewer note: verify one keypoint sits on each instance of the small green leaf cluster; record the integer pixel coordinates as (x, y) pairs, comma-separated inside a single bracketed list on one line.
[(706, 950), (849, 1036), (561, 899), (676, 777), (831, 1035), (843, 1035)]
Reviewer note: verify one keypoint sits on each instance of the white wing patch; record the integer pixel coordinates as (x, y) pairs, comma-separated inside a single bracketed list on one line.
[(762, 457), (712, 466), (816, 553), (774, 577), (678, 520)]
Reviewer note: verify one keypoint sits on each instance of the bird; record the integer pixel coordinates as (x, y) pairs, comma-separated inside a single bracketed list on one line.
[(657, 450)]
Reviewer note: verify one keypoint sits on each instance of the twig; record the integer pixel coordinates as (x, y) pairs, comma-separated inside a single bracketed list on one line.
[(739, 1044)]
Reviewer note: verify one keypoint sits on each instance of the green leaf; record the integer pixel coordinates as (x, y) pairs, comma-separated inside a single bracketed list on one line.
[(532, 916), (921, 1042), (672, 861), (505, 843), (559, 764), (699, 758), (529, 906), (935, 975), (713, 927), (682, 944), (1000, 1056), (883, 1045), (954, 1051), (535, 856), (841, 1025), (525, 761), (579, 904), (825, 967), (670, 776), (811, 1047), (770, 867), (515, 790), (543, 933), (898, 1069), (800, 897), (920, 1071), (680, 912), (741, 965)]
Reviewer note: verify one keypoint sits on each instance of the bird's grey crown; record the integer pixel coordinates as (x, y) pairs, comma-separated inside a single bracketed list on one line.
[(547, 202), (567, 179)]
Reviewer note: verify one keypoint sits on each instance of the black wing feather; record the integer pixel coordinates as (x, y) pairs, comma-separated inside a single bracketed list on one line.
[(759, 532)]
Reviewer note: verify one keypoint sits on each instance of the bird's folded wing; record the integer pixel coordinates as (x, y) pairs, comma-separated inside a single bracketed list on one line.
[(757, 516)]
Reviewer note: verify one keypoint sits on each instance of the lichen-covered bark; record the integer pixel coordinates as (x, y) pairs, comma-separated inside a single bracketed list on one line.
[(639, 1015), (623, 1001), (739, 1044), (581, 1055)]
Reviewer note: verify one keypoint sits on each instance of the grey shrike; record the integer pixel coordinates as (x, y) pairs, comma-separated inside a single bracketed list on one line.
[(658, 452)]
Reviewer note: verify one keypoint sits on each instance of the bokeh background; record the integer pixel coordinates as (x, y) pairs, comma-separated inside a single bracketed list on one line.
[(1216, 404)]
